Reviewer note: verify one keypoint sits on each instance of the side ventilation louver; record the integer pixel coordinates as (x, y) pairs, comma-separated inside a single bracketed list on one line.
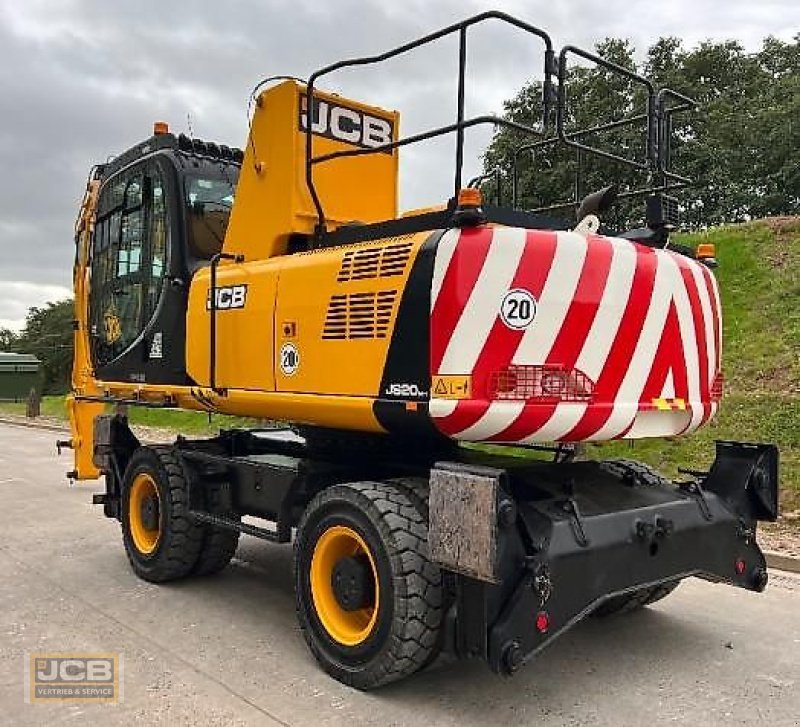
[(375, 262), (359, 315)]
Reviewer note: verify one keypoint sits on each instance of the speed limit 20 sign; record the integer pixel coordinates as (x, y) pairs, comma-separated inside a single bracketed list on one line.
[(518, 308)]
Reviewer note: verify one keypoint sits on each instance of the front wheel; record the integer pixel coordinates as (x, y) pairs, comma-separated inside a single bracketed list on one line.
[(161, 540), (369, 601)]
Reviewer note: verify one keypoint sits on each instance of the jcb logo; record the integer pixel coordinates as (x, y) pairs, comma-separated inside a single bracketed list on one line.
[(71, 677), (228, 297), (346, 124), (74, 670)]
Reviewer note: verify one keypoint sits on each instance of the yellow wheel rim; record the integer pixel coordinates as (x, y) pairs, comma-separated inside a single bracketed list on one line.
[(347, 627), (144, 493)]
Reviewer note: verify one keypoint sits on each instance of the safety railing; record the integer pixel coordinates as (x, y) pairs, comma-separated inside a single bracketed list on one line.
[(460, 124), (657, 118)]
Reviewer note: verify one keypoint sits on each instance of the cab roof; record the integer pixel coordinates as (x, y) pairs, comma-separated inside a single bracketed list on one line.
[(181, 144)]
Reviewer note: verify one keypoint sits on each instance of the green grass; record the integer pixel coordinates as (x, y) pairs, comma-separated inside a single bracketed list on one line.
[(185, 422), (759, 278), (52, 406), (752, 418)]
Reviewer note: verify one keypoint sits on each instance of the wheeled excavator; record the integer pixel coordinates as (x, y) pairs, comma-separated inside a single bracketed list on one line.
[(389, 350)]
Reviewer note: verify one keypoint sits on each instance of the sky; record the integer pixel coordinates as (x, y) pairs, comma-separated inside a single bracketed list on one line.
[(83, 80)]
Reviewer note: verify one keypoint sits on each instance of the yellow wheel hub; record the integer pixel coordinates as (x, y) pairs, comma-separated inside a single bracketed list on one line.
[(348, 627), (144, 513)]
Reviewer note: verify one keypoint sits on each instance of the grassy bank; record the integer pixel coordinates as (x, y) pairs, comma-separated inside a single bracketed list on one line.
[(744, 418)]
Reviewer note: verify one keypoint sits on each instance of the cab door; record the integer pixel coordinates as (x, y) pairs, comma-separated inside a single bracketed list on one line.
[(137, 300)]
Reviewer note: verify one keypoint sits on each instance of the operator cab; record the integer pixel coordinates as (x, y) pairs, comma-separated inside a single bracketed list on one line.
[(162, 212)]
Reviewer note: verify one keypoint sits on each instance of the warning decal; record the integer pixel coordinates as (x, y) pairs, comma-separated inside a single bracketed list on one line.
[(451, 387)]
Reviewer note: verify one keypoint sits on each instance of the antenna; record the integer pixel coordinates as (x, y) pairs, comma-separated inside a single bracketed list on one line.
[(189, 124)]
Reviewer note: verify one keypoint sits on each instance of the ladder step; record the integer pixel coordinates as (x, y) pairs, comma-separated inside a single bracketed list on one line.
[(226, 522)]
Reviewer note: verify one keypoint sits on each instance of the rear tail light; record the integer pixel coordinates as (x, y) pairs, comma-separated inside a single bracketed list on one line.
[(542, 622), (717, 387), (543, 383)]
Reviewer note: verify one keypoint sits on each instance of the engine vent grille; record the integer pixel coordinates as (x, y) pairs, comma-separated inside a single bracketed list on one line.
[(375, 262), (359, 315)]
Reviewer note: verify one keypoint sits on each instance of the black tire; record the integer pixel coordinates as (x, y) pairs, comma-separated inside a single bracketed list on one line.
[(219, 546), (634, 601), (392, 521), (635, 474), (180, 538)]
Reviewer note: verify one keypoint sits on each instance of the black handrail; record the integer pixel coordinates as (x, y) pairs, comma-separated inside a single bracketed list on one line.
[(460, 125), (569, 140), (441, 131), (552, 141), (657, 116), (494, 174), (664, 115), (659, 119), (628, 194)]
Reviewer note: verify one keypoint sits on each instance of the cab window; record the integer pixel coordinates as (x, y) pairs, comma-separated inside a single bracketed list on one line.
[(209, 200), (128, 262)]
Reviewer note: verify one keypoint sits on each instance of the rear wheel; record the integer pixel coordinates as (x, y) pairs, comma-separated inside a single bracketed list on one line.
[(369, 601), (161, 540), (635, 474), (219, 543), (635, 600), (219, 546)]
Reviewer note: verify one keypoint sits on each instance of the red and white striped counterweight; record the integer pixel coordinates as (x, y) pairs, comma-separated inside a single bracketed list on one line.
[(567, 337)]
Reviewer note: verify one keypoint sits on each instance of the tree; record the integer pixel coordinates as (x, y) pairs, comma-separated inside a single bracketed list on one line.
[(8, 339), (48, 336), (739, 146)]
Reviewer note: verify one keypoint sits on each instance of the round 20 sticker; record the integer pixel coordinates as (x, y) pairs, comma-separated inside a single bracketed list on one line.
[(518, 308), (289, 359)]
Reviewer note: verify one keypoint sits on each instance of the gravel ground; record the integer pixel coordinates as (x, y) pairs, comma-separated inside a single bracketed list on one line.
[(781, 537)]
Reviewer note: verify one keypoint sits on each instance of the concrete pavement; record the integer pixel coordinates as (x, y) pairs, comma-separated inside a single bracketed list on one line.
[(226, 650)]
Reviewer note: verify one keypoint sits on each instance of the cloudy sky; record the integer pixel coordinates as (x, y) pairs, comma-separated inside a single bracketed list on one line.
[(81, 80)]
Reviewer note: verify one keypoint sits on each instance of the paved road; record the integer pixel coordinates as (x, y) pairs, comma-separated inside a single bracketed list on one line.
[(226, 650)]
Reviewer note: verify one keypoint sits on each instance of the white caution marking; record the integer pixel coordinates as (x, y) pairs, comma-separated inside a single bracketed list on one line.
[(480, 311), (641, 362), (708, 321), (439, 408), (537, 341), (668, 390), (444, 254), (691, 356), (602, 335)]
